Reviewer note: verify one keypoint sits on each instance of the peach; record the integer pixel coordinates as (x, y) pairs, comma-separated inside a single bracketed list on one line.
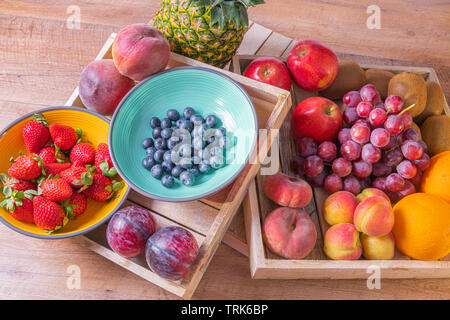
[(287, 191), (340, 207), (341, 242), (378, 248), (289, 232), (374, 216), (102, 87), (139, 51), (370, 192)]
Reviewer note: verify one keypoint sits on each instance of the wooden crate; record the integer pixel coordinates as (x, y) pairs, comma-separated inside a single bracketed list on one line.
[(266, 265), (208, 218)]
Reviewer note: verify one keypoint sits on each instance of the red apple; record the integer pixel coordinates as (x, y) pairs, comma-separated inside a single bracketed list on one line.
[(269, 70), (318, 118), (312, 65)]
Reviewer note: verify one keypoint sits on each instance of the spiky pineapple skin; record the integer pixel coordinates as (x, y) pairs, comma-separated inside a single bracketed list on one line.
[(186, 27)]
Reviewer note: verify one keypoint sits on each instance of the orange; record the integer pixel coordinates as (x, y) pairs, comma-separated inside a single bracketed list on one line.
[(422, 226), (436, 179)]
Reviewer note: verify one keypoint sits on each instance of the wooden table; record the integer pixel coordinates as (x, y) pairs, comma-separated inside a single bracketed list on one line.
[(41, 61)]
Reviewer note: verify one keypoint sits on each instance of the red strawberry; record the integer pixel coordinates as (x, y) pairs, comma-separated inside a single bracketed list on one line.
[(76, 204), (19, 204), (82, 154), (77, 177), (48, 154), (35, 133), (16, 184), (56, 190), (102, 188), (26, 167), (47, 214), (55, 168), (64, 137), (103, 161)]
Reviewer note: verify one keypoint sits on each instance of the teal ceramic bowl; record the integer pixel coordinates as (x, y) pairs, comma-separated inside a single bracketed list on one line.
[(207, 92)]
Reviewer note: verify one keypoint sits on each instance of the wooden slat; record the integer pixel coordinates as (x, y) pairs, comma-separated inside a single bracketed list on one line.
[(254, 39), (274, 46)]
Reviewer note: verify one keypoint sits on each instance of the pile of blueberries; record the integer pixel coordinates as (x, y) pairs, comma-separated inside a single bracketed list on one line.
[(183, 147)]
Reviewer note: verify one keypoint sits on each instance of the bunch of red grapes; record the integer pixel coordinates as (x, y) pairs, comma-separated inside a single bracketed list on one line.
[(377, 148)]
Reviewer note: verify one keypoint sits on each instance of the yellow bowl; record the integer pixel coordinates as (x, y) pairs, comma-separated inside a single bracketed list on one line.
[(95, 129)]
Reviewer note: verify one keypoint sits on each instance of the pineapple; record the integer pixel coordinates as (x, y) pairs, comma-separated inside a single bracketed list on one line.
[(206, 30)]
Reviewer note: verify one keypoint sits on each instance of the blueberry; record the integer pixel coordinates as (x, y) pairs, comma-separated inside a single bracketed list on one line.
[(186, 125), (166, 133), (157, 171), (210, 139), (158, 156), (216, 162), (176, 171), (204, 167), (148, 163), (147, 143), (188, 112), (197, 119), (155, 122), (167, 166), (173, 114), (166, 123), (161, 144), (172, 142), (150, 151), (156, 132), (211, 120), (187, 178), (179, 122), (167, 156), (185, 151), (167, 181), (194, 171)]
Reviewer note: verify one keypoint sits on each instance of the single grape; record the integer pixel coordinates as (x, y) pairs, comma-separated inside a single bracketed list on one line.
[(362, 169), (407, 120), (360, 133), (370, 153), (410, 134), (327, 150), (333, 183), (344, 135), (394, 124), (350, 116), (408, 189), (365, 182), (298, 165), (412, 150), (395, 182), (318, 180), (407, 169), (364, 122), (393, 157), (306, 146), (342, 167), (380, 183), (423, 163), (313, 166), (364, 108), (377, 117), (394, 142), (380, 106), (380, 137), (424, 146), (368, 93), (351, 99), (380, 169), (417, 178), (351, 184), (393, 104), (350, 150), (393, 196)]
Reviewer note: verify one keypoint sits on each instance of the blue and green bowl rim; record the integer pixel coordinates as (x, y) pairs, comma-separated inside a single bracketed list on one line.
[(205, 194), (74, 234)]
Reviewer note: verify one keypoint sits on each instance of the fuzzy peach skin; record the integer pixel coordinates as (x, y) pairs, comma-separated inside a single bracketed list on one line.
[(342, 242), (374, 216), (287, 191), (370, 192), (339, 207), (102, 87), (140, 50), (289, 233), (378, 248)]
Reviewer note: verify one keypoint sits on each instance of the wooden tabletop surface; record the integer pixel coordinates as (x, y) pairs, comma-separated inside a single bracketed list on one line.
[(40, 63)]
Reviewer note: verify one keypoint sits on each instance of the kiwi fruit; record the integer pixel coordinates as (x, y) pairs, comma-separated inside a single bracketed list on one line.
[(380, 79), (435, 102), (436, 134), (412, 89), (350, 77)]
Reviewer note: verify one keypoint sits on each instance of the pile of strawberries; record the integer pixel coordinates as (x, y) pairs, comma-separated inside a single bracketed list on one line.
[(51, 184)]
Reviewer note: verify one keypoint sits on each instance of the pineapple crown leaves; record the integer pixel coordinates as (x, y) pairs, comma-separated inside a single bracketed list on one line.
[(39, 117), (226, 11)]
